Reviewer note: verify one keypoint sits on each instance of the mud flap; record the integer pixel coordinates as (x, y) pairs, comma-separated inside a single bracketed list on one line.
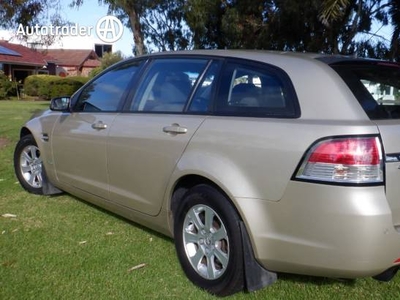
[(387, 275), (48, 188), (256, 277)]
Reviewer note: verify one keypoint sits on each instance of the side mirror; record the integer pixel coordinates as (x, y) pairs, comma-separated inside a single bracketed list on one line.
[(60, 103)]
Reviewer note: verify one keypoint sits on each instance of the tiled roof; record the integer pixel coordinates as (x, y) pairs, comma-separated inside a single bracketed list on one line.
[(92, 63), (27, 55), (71, 57)]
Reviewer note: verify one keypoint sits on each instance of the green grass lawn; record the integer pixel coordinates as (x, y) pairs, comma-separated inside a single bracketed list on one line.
[(62, 248)]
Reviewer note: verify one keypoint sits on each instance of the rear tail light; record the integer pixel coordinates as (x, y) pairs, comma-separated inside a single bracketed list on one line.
[(344, 160)]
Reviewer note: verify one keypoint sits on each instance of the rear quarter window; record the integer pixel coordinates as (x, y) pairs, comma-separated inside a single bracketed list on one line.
[(375, 85), (256, 90)]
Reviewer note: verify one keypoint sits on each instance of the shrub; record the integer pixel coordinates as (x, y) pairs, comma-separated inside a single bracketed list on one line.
[(31, 85), (107, 60), (64, 87), (95, 71), (6, 86), (49, 86), (82, 79)]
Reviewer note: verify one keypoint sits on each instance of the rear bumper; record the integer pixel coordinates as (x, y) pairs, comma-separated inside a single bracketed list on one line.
[(323, 230)]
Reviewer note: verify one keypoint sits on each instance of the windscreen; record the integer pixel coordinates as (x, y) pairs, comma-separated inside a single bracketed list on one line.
[(376, 85)]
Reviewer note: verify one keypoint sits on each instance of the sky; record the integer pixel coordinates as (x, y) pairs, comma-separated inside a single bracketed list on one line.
[(86, 15)]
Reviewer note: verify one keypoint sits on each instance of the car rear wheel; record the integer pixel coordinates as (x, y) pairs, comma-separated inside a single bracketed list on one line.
[(28, 165), (208, 241)]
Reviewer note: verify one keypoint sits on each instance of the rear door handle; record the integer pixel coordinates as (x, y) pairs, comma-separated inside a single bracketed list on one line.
[(175, 129), (99, 125)]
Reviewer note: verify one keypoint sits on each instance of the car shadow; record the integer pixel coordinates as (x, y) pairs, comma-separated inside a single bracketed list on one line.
[(314, 280), (114, 215), (287, 277)]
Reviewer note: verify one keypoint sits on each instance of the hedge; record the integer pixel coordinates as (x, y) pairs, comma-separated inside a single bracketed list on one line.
[(50, 86), (7, 87)]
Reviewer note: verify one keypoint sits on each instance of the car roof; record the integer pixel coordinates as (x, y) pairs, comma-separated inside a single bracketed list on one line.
[(239, 53), (266, 55)]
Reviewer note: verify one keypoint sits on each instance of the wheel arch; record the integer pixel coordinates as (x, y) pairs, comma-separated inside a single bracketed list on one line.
[(48, 187), (186, 182), (255, 276), (24, 131)]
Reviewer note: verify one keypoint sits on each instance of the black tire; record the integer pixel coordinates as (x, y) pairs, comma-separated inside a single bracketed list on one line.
[(210, 255), (28, 165)]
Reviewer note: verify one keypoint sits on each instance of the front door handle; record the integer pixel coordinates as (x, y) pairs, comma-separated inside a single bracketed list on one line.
[(175, 129), (99, 125)]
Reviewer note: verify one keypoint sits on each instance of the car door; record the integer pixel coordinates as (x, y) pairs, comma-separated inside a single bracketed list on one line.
[(79, 138), (146, 143)]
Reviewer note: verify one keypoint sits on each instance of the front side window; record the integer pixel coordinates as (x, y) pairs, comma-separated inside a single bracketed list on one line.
[(105, 93), (168, 84), (255, 91), (376, 87)]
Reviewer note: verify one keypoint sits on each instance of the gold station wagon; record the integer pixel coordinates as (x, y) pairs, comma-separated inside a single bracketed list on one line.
[(254, 162)]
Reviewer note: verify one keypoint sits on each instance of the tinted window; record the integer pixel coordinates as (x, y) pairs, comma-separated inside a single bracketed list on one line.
[(376, 87), (202, 99), (168, 85), (255, 91), (105, 92)]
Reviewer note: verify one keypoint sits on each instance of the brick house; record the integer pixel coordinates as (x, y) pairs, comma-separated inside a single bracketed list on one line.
[(18, 61), (72, 62)]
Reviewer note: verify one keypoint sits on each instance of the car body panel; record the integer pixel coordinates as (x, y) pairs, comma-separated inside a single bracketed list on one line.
[(390, 132), (79, 151), (157, 223), (141, 155), (41, 126), (351, 235), (321, 96), (249, 158)]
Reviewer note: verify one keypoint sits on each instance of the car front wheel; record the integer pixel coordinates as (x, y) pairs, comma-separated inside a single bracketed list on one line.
[(208, 241), (28, 165)]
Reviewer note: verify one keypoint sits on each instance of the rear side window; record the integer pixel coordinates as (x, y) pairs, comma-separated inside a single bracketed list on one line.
[(251, 90), (376, 87)]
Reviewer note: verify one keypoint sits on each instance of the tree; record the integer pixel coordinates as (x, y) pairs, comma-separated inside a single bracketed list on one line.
[(243, 24), (330, 26), (6, 86), (394, 12), (163, 25), (332, 10), (204, 18), (158, 22), (133, 10), (28, 14), (107, 60), (383, 12)]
